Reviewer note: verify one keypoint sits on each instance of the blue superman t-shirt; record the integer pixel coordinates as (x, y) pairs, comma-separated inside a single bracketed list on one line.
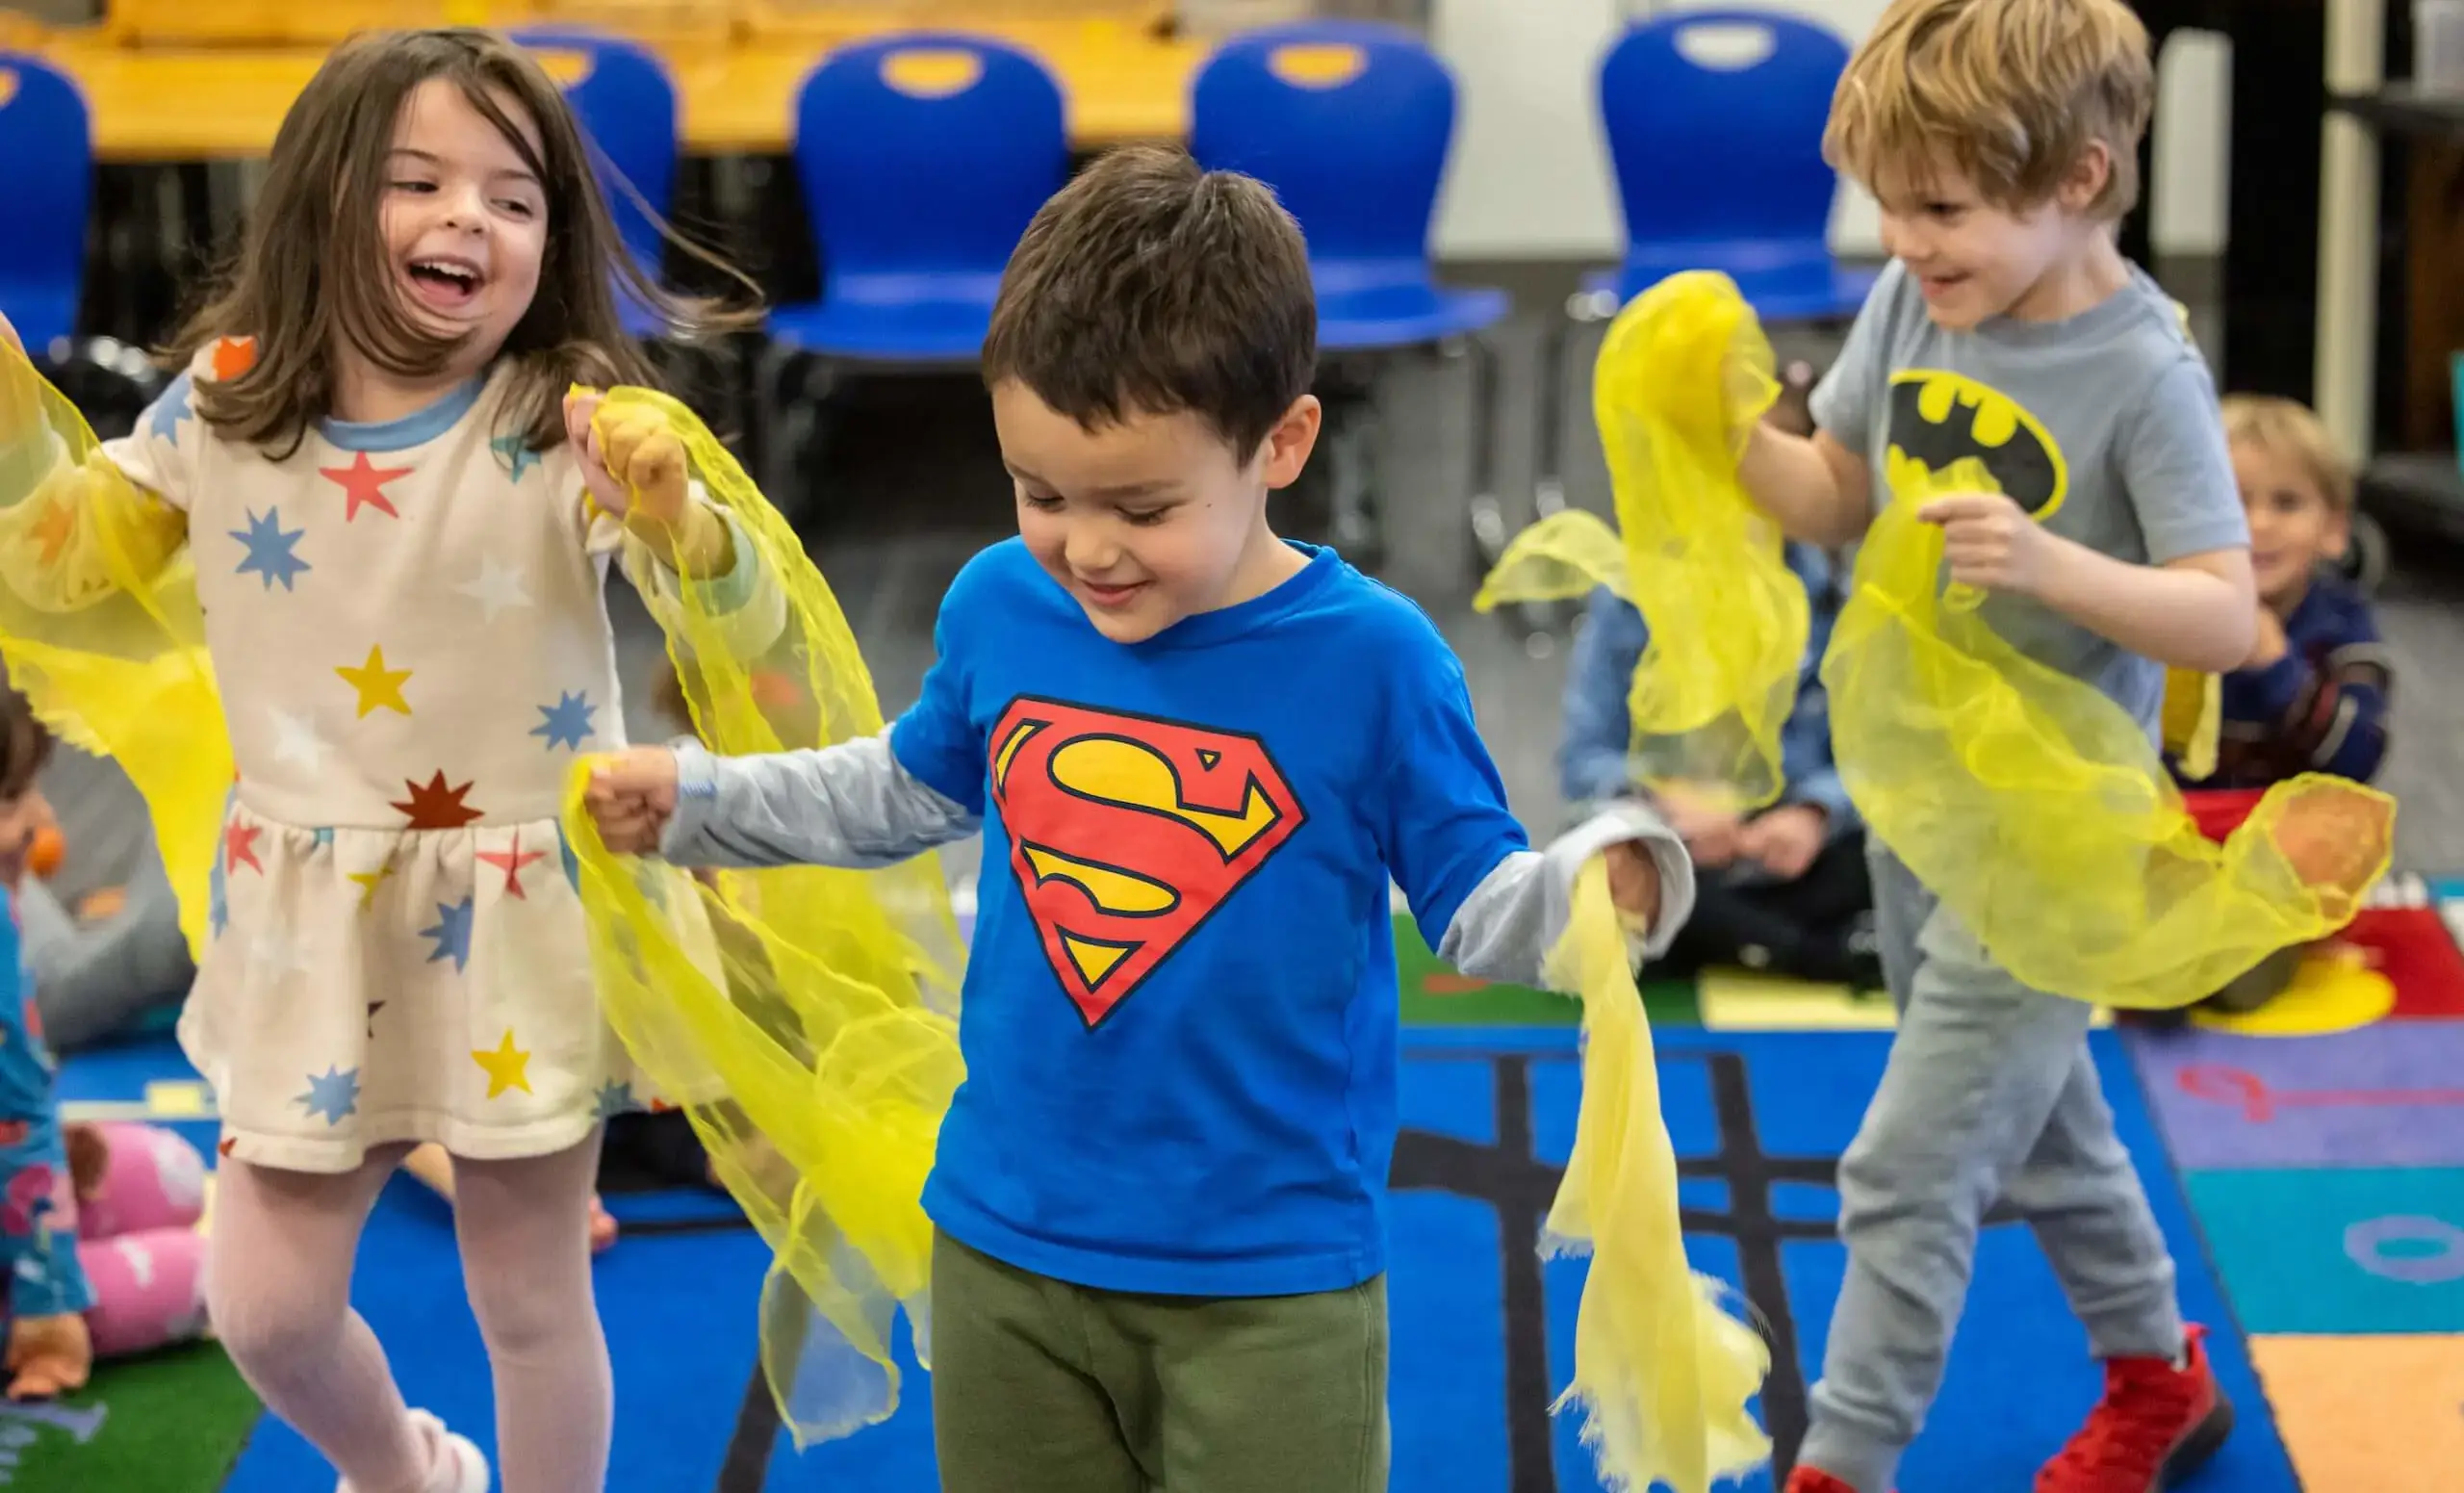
[(1180, 1011)]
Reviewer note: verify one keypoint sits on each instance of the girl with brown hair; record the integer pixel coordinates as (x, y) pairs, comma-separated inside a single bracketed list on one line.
[(399, 521)]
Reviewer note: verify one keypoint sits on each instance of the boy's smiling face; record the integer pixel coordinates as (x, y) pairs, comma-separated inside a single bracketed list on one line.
[(1152, 517), (1975, 259), (2294, 526)]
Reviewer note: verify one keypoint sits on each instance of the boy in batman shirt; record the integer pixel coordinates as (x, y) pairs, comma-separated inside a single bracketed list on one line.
[(2001, 139)]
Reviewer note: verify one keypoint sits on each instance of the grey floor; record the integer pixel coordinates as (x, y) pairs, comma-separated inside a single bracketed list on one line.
[(911, 484)]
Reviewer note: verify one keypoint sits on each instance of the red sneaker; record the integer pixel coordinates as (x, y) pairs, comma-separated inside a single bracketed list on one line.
[(2155, 1426), (1814, 1479)]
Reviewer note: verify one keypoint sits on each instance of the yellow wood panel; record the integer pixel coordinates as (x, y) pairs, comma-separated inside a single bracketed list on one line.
[(191, 105), (290, 23)]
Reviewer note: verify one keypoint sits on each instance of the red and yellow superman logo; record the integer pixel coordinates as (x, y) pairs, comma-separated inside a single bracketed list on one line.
[(1126, 833)]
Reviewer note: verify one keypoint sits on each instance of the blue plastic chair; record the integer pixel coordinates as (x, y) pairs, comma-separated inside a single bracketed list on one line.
[(922, 155), (627, 106), (1719, 167), (48, 175), (922, 158), (1350, 123)]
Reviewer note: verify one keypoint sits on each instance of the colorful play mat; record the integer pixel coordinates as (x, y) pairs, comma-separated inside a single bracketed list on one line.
[(2307, 1164)]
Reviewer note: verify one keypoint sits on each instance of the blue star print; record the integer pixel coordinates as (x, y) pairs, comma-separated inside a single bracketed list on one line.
[(324, 838), (516, 452), (163, 419), (614, 1100), (269, 548), (217, 908), (335, 1095), (568, 722), (573, 862), (451, 932)]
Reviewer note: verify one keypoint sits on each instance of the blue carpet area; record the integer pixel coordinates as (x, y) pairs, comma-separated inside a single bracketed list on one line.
[(1482, 1330)]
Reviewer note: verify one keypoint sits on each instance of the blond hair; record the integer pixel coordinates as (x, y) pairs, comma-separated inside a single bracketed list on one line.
[(2010, 94), (2287, 427)]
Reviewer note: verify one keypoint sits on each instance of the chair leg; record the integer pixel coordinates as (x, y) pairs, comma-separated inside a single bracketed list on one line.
[(775, 372), (1548, 437), (1354, 515), (1491, 533), (1490, 530)]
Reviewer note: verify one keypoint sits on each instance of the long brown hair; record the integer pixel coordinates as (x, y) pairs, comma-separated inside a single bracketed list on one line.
[(24, 745), (313, 271)]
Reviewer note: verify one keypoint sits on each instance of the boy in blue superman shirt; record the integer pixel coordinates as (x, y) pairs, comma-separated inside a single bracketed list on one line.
[(1200, 756)]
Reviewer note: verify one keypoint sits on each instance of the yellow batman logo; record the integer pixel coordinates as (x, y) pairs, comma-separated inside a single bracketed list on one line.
[(1940, 419)]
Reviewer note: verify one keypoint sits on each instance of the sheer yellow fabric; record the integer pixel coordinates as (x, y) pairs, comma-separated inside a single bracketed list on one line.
[(1708, 702), (2039, 810), (807, 1018), (1661, 1372), (100, 627), (2194, 721)]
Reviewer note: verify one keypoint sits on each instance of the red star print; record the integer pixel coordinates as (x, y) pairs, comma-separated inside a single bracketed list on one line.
[(240, 847), (511, 861), (433, 805), (365, 483), (233, 356), (54, 530), (225, 1147)]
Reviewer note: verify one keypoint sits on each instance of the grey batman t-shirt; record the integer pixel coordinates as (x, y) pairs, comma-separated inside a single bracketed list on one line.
[(2103, 425)]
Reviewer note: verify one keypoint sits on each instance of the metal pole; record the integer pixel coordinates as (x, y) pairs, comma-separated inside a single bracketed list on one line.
[(2347, 310)]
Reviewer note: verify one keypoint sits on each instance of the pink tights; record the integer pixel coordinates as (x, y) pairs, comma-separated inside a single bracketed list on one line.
[(279, 1286)]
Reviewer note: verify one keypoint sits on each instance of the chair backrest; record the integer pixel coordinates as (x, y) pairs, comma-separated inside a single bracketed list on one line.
[(627, 106), (927, 152), (1350, 121), (47, 176), (1714, 120)]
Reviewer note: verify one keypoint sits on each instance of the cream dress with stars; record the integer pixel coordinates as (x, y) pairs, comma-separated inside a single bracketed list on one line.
[(409, 631)]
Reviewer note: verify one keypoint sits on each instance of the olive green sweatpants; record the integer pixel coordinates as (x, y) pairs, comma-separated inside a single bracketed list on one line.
[(1043, 1387)]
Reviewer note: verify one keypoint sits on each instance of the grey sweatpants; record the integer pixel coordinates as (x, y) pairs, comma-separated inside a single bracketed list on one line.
[(1990, 1094)]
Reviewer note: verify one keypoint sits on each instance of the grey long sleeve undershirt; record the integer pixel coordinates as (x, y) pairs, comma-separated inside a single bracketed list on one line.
[(854, 806)]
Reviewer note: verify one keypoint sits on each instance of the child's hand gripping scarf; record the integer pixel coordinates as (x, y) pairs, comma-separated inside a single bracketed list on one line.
[(1708, 702), (1661, 1372), (807, 1016), (100, 626)]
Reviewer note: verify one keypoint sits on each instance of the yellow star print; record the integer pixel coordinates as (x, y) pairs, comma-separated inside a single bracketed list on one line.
[(508, 1066), (379, 688), (367, 884)]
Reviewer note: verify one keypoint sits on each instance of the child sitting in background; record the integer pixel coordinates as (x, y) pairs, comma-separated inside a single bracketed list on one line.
[(102, 929), (1783, 889), (2315, 693), (1786, 889), (129, 1275)]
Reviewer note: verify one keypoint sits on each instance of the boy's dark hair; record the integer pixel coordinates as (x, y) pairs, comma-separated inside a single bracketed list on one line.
[(1148, 286), (24, 744)]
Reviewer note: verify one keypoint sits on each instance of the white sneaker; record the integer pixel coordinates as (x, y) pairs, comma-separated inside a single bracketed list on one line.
[(459, 1466)]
